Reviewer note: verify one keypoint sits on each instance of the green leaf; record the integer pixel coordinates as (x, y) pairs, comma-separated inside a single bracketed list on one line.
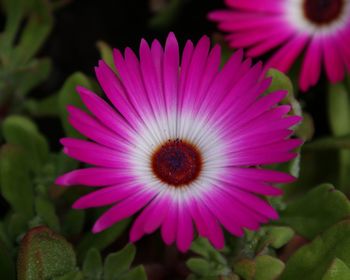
[(43, 254), (92, 266), (339, 109), (119, 262), (338, 270), (306, 129), (7, 265), (26, 78), (17, 224), (315, 211), (101, 240), (200, 266), (68, 96), (280, 81), (339, 118), (245, 268), (329, 143), (106, 53), (46, 211), (35, 32), (268, 268), (15, 11), (202, 247), (137, 273), (47, 107), (314, 260), (23, 132), (73, 222), (279, 236), (15, 182), (73, 275)]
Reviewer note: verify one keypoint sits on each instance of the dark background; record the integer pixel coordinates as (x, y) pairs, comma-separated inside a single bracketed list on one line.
[(120, 23)]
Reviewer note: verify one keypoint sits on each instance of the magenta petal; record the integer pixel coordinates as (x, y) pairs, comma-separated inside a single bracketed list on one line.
[(122, 210)]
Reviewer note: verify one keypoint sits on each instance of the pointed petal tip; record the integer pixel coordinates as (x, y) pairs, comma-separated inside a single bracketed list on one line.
[(171, 36), (62, 181), (96, 228)]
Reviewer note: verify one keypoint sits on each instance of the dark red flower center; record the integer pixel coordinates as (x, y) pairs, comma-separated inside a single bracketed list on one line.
[(177, 163), (323, 11)]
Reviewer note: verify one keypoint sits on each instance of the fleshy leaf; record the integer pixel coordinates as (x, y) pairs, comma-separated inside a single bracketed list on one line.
[(46, 210), (7, 266), (200, 266), (339, 109), (73, 222), (268, 268), (245, 268), (92, 266), (262, 267), (137, 273), (315, 211), (103, 239), (278, 236), (119, 262), (314, 260), (44, 254), (23, 132), (15, 182), (202, 247), (106, 53), (36, 30), (338, 270), (73, 275)]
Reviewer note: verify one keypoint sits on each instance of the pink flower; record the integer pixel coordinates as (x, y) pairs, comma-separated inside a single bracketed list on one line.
[(181, 143), (319, 30)]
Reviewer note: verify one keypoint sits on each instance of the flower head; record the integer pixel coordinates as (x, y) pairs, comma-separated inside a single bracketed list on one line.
[(318, 30), (181, 142)]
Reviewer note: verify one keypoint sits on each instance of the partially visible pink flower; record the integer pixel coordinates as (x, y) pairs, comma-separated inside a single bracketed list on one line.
[(181, 142), (317, 30)]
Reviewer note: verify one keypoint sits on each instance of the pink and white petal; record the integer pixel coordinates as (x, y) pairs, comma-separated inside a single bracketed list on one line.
[(91, 128), (250, 21), (267, 45), (265, 175), (266, 6), (185, 227), (195, 72), (131, 81), (122, 210), (333, 61), (261, 159), (92, 153), (170, 224), (238, 213), (260, 106), (158, 212), (106, 196), (137, 229), (250, 185), (212, 228), (184, 69), (254, 203), (116, 93), (284, 58), (209, 73), (105, 114), (171, 72), (94, 176), (219, 210), (311, 65)]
